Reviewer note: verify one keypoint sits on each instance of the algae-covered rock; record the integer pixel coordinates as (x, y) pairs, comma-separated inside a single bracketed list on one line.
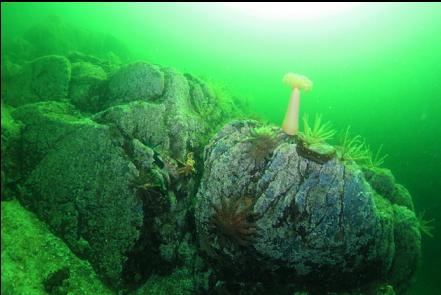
[(45, 124), (106, 193), (109, 63), (79, 180), (290, 220), (50, 77), (31, 254), (407, 257), (401, 196), (82, 189), (86, 85), (142, 120), (383, 182), (137, 81), (45, 78), (10, 172), (156, 106)]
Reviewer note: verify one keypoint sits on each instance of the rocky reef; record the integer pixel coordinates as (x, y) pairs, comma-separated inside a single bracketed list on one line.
[(149, 177)]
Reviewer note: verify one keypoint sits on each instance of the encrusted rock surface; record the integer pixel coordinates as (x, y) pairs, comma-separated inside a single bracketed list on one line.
[(319, 226)]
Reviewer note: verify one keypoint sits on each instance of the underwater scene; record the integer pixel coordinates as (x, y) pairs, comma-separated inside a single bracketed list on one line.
[(221, 148)]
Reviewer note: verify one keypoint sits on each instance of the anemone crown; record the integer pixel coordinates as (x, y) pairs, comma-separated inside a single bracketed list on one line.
[(233, 218)]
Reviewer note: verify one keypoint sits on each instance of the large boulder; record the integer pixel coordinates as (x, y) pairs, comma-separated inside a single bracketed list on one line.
[(265, 213)]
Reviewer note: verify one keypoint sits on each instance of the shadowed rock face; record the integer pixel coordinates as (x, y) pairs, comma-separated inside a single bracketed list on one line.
[(318, 224)]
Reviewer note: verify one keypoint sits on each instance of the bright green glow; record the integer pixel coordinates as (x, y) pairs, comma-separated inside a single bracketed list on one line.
[(292, 10)]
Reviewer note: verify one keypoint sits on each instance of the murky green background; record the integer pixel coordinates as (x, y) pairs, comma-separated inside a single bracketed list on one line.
[(375, 67)]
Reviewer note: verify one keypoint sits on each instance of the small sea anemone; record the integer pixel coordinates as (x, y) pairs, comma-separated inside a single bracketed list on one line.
[(352, 148), (296, 82), (377, 159), (425, 226), (263, 142), (311, 142), (233, 218), (318, 132)]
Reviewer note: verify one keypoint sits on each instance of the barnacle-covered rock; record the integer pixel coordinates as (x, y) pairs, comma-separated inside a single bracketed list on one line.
[(319, 226)]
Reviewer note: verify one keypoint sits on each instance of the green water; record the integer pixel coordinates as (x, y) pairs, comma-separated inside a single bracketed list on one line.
[(375, 67)]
